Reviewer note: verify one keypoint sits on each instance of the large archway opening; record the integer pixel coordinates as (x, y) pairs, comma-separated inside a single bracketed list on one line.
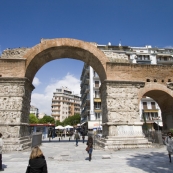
[(46, 51)]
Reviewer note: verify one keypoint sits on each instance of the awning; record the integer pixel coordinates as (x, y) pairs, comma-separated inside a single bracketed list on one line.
[(163, 55), (160, 123), (93, 124), (97, 100), (83, 123), (151, 110)]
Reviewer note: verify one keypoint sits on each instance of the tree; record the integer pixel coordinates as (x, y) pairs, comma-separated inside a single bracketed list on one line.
[(46, 119), (33, 119), (58, 123), (72, 120)]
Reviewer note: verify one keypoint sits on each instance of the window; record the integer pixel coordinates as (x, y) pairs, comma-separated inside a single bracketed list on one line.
[(97, 105), (96, 83), (165, 58), (153, 105), (144, 105)]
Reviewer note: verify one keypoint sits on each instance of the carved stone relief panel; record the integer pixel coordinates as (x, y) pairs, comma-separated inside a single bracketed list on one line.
[(14, 53), (121, 101)]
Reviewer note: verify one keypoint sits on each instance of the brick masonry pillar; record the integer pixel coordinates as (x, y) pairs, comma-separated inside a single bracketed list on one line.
[(15, 96), (120, 114)]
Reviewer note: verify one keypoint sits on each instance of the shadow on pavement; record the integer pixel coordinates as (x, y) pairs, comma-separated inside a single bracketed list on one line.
[(157, 162), (62, 140)]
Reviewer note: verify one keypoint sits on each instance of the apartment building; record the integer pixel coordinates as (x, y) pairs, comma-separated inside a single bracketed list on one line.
[(91, 115), (64, 104), (150, 114), (34, 110)]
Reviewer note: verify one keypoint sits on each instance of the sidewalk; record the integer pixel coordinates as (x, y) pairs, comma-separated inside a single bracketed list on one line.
[(65, 157)]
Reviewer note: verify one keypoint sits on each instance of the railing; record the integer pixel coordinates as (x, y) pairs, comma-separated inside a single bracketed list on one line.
[(36, 139), (155, 136)]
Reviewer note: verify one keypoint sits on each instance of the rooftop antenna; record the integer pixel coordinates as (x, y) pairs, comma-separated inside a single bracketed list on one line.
[(120, 43)]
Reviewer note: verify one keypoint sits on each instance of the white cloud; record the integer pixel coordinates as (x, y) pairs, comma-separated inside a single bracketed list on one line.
[(36, 81), (43, 101)]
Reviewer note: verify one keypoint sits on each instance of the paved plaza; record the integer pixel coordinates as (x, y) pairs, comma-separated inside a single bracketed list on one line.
[(65, 157)]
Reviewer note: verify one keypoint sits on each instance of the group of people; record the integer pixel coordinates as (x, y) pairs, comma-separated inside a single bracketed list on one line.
[(37, 162)]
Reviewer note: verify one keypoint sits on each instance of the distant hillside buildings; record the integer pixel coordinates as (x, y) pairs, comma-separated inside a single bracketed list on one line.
[(64, 104)]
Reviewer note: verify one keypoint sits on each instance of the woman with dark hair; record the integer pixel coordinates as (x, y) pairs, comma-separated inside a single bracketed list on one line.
[(90, 146), (169, 144), (37, 161)]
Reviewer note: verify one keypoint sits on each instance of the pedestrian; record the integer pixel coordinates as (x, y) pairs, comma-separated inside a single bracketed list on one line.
[(169, 144), (90, 147), (37, 161), (83, 136), (77, 137), (50, 134), (1, 145)]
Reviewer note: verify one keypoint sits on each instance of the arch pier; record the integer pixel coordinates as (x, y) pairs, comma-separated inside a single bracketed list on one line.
[(121, 127), (15, 95)]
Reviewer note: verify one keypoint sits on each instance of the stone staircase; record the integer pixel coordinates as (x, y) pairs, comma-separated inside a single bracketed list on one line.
[(16, 144)]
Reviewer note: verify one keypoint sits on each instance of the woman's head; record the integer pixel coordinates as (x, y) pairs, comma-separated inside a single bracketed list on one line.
[(36, 152), (90, 138), (169, 134)]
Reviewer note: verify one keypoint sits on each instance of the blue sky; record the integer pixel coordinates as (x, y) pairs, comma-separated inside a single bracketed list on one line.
[(135, 22)]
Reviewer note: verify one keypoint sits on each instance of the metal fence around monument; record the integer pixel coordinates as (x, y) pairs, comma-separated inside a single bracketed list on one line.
[(36, 139)]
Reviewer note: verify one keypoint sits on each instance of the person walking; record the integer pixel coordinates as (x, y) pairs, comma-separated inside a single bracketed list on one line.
[(169, 144), (37, 161), (1, 145), (90, 147), (83, 136), (77, 137)]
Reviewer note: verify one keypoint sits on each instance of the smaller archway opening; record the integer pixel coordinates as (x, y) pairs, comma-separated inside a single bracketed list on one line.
[(156, 108), (148, 80), (169, 80), (155, 80)]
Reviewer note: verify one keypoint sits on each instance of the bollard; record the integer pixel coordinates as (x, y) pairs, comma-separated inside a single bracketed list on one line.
[(59, 139), (69, 139)]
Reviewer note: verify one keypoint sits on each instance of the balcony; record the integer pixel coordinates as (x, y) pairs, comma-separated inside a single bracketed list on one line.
[(97, 109), (144, 61)]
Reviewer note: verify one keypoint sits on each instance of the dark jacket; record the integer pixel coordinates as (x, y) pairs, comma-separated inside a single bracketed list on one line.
[(38, 165), (90, 143)]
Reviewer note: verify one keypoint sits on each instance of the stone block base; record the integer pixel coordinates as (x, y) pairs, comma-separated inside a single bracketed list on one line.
[(16, 144), (123, 142)]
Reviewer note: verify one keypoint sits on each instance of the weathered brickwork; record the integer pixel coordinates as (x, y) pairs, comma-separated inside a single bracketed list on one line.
[(123, 85)]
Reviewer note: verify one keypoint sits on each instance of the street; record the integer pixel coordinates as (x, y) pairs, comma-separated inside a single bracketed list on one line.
[(65, 157)]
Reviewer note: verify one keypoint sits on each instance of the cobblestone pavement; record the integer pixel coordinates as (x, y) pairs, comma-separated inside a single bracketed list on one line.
[(65, 157)]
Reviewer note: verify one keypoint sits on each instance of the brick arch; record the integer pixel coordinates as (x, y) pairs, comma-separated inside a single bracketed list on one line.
[(52, 49), (164, 97)]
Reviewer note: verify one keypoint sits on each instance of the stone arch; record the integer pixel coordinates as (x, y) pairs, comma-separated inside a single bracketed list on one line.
[(164, 97), (51, 49)]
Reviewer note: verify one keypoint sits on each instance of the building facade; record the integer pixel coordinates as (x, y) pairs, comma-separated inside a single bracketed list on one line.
[(64, 104), (150, 113), (34, 110), (91, 114)]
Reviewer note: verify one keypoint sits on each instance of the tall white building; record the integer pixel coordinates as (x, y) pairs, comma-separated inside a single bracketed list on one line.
[(91, 114), (64, 104)]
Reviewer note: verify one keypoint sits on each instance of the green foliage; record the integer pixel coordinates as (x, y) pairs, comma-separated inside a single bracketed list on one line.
[(33, 119), (72, 120), (58, 123), (46, 119)]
